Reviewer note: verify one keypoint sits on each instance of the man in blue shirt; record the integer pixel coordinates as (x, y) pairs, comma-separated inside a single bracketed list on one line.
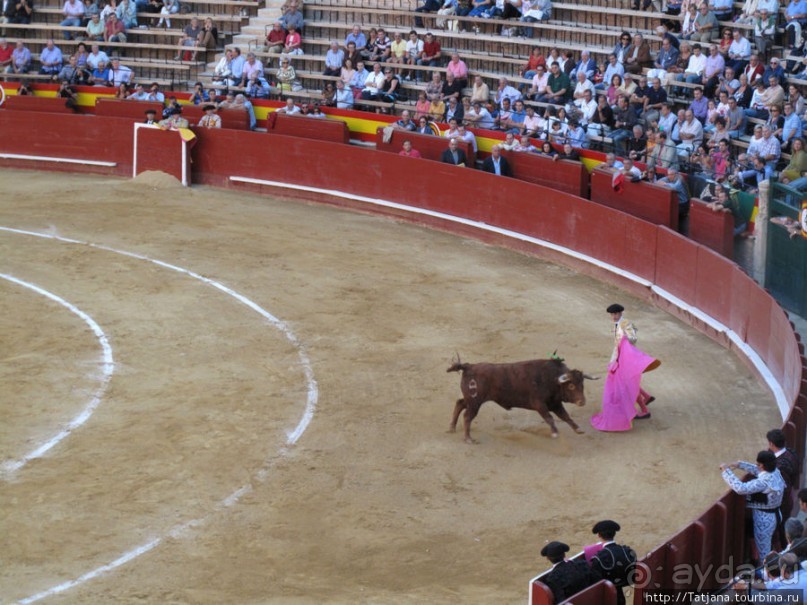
[(357, 37), (51, 59), (791, 129)]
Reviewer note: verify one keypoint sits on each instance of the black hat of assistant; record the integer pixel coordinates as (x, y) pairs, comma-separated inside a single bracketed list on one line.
[(605, 526), (615, 308), (150, 112), (554, 549)]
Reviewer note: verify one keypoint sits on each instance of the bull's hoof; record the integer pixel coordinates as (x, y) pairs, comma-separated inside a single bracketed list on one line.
[(452, 429), (554, 435), (471, 441), (579, 431)]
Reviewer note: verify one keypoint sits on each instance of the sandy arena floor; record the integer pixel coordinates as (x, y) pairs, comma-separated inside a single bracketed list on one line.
[(185, 467)]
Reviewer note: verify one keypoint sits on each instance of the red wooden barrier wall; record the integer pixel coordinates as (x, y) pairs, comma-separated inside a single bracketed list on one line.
[(562, 175), (714, 230), (654, 203), (31, 103), (322, 129), (430, 147)]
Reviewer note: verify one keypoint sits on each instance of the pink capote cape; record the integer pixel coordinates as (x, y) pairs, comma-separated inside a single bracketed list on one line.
[(622, 388)]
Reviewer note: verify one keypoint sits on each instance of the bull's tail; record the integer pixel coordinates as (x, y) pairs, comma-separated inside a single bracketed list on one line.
[(457, 367)]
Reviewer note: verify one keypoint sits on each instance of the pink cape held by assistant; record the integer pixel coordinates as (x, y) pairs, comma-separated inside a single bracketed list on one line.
[(622, 388)]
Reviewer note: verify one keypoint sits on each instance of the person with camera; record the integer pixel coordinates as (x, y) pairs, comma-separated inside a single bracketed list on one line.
[(763, 495)]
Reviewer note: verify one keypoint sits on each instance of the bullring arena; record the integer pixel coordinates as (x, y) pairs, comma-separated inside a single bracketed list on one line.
[(254, 404)]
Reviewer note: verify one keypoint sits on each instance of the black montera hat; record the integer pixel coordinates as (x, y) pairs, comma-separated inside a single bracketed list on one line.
[(605, 526), (615, 308), (554, 549)]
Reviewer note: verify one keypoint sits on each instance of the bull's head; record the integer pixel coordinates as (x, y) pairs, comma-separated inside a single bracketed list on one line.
[(571, 386)]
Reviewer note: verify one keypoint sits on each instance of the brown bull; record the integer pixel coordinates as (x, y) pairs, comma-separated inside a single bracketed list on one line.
[(540, 384)]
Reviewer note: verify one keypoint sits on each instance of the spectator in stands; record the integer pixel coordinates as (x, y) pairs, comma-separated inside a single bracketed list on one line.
[(613, 92), (114, 30), (434, 89), (576, 135), (502, 117), (723, 10), (454, 109), (276, 38), (675, 181), (423, 126), (101, 75), (788, 464), (286, 76), (73, 11), (480, 92), (95, 28), (639, 56), (454, 155), (795, 175), (356, 36), (582, 85), (695, 67), (237, 67), (656, 96), (505, 91), (743, 93), (200, 95), (405, 122), (397, 49), (414, 49), (665, 60), (343, 96), (713, 68), (373, 84), (352, 54), (586, 65), (70, 73), (539, 83), (50, 59), (496, 164), (6, 52), (611, 163), (431, 53), (775, 122), (347, 73), (120, 74), (252, 69), (293, 17), (691, 133), (636, 144), (289, 108), (208, 38), (706, 27), (422, 105), (663, 155), (796, 20), (239, 102), (739, 51), (23, 12), (169, 7), (407, 150), (624, 121), (127, 13), (795, 98), (769, 150), (735, 119), (587, 107), (558, 86), (769, 480), (448, 7), (602, 122), (294, 41), (357, 83), (764, 31), (479, 116), (774, 69), (614, 68), (623, 49), (138, 94), (534, 11), (222, 72), (452, 88), (457, 68), (533, 61), (666, 118), (766, 98), (637, 99), (381, 48), (718, 131), (334, 60), (754, 70), (429, 6), (699, 105)]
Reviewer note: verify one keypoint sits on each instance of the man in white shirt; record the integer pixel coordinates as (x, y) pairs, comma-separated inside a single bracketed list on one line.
[(344, 97), (96, 56), (479, 116), (583, 84), (691, 133), (739, 52), (289, 108), (539, 82), (587, 106), (73, 11)]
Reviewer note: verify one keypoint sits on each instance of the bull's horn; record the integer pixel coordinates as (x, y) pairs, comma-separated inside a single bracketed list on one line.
[(563, 378), (587, 377)]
